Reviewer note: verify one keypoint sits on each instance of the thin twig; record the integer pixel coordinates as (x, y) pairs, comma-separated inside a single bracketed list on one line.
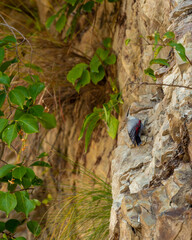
[(188, 60), (160, 84), (12, 29), (24, 189), (3, 161)]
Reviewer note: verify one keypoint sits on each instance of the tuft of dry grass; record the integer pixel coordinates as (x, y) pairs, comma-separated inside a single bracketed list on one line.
[(83, 212)]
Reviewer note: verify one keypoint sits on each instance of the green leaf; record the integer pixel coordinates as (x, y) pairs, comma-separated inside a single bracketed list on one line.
[(115, 100), (30, 174), (9, 39), (20, 238), (169, 35), (87, 7), (97, 77), (41, 164), (107, 112), (36, 89), (28, 123), (60, 24), (12, 224), (11, 187), (29, 103), (2, 98), (4, 79), (8, 202), (23, 203), (26, 182), (102, 53), (150, 72), (6, 169), (32, 79), (72, 2), (76, 72), (1, 113), (44, 154), (16, 97), (23, 90), (110, 59), (127, 41), (107, 42), (47, 120), (2, 226), (92, 125), (37, 181), (19, 172), (9, 134), (113, 127), (36, 202), (18, 113), (157, 37), (179, 48), (84, 80), (88, 119), (95, 63), (34, 227), (159, 61), (50, 21), (36, 110), (3, 124), (6, 64), (34, 67), (157, 50), (2, 54)]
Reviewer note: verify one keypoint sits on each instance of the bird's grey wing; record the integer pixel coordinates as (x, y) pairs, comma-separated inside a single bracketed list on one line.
[(131, 127)]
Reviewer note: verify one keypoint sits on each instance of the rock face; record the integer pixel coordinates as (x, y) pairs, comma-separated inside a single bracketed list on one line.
[(152, 183)]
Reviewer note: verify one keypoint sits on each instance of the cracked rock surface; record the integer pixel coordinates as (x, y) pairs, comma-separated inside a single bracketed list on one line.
[(152, 196)]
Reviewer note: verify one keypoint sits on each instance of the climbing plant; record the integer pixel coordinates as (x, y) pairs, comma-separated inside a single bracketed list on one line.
[(82, 74), (20, 116), (159, 42), (73, 9)]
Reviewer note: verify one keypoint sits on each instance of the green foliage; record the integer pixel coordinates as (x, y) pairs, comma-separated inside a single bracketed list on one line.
[(179, 48), (159, 61), (24, 119), (150, 72), (6, 169), (77, 7), (41, 164), (7, 202), (158, 45), (47, 120), (9, 134), (28, 123), (127, 41), (82, 74), (104, 114), (24, 204), (4, 79), (12, 224), (34, 227), (33, 66)]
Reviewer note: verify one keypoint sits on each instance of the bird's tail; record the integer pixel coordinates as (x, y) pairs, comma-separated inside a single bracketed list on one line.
[(138, 140)]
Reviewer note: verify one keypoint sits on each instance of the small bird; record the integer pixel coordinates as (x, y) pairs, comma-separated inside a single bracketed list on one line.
[(134, 127)]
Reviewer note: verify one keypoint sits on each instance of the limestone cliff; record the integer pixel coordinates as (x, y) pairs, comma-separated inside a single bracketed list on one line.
[(152, 183)]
